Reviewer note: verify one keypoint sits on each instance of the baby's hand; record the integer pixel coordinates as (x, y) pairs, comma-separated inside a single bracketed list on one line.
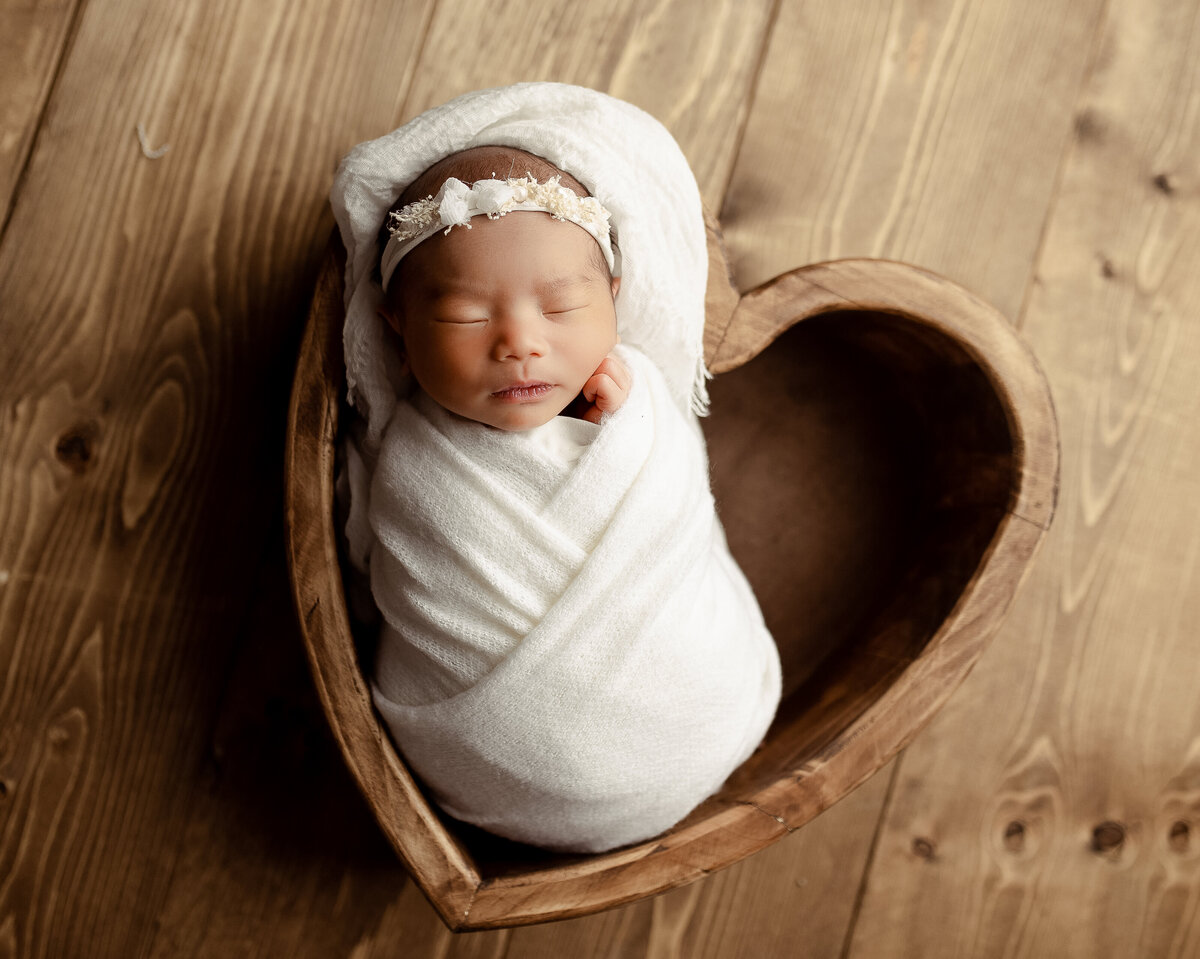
[(606, 389)]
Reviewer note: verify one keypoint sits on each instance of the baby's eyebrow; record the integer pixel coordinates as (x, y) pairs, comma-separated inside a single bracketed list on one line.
[(560, 283), (437, 288)]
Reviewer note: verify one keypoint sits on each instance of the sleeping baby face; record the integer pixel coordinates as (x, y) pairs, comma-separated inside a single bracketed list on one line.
[(504, 322)]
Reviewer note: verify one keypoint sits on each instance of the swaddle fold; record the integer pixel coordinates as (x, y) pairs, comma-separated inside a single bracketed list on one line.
[(571, 658)]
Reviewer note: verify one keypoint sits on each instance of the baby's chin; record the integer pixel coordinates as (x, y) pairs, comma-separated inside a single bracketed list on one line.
[(517, 419), (512, 417), (521, 415)]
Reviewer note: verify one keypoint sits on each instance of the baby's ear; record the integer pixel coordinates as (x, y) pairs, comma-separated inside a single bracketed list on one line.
[(393, 317), (616, 286)]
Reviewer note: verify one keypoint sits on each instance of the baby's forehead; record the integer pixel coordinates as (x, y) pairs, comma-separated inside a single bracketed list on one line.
[(547, 254), (448, 285)]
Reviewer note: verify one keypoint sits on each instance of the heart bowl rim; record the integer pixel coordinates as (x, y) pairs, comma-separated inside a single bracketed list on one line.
[(730, 829)]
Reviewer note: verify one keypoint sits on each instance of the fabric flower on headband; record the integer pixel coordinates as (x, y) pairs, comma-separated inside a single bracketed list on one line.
[(491, 195), (452, 207)]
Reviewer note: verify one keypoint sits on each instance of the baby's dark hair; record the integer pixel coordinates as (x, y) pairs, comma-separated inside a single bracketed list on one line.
[(483, 163)]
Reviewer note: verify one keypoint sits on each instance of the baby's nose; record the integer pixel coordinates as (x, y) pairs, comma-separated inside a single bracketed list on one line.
[(519, 336)]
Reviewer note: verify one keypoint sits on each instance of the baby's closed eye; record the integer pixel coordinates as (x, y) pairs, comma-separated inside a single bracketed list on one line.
[(457, 309), (560, 309), (460, 320)]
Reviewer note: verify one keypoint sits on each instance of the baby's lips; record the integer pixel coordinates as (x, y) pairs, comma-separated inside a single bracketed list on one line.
[(527, 392), (524, 385)]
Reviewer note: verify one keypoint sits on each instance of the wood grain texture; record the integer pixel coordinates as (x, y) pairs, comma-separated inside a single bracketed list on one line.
[(147, 352), (738, 912), (277, 851), (929, 131), (690, 66), (1053, 809), (923, 132), (33, 40)]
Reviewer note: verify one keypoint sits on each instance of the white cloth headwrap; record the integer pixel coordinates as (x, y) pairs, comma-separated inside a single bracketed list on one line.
[(625, 158)]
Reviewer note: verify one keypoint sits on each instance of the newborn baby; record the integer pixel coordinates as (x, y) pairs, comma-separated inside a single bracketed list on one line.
[(507, 321), (569, 656)]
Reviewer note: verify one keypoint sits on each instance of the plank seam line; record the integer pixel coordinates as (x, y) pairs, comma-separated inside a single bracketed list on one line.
[(1060, 172), (59, 67), (764, 50), (861, 895)]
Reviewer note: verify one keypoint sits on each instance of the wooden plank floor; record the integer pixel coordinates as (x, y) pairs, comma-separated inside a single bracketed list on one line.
[(167, 786)]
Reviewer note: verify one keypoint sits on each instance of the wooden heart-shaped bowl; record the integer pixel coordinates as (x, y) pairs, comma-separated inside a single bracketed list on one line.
[(885, 459)]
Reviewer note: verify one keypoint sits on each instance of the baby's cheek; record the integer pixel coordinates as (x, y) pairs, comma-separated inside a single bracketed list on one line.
[(600, 345), (449, 354)]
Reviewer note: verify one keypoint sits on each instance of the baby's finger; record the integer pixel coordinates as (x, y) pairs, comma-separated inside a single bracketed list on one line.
[(603, 391), (616, 369)]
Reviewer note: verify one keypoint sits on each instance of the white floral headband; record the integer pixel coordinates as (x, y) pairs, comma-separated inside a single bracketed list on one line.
[(456, 203)]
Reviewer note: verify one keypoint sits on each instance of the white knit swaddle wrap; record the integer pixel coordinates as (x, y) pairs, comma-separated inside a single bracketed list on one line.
[(571, 656), (615, 662)]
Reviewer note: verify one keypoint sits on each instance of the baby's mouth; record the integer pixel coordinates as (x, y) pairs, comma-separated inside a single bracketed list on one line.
[(523, 392)]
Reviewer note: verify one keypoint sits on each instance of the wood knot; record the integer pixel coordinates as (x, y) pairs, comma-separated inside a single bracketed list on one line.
[(1162, 182), (1014, 836), (1179, 836), (1107, 270), (1089, 127), (1108, 837), (76, 447), (924, 848)]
